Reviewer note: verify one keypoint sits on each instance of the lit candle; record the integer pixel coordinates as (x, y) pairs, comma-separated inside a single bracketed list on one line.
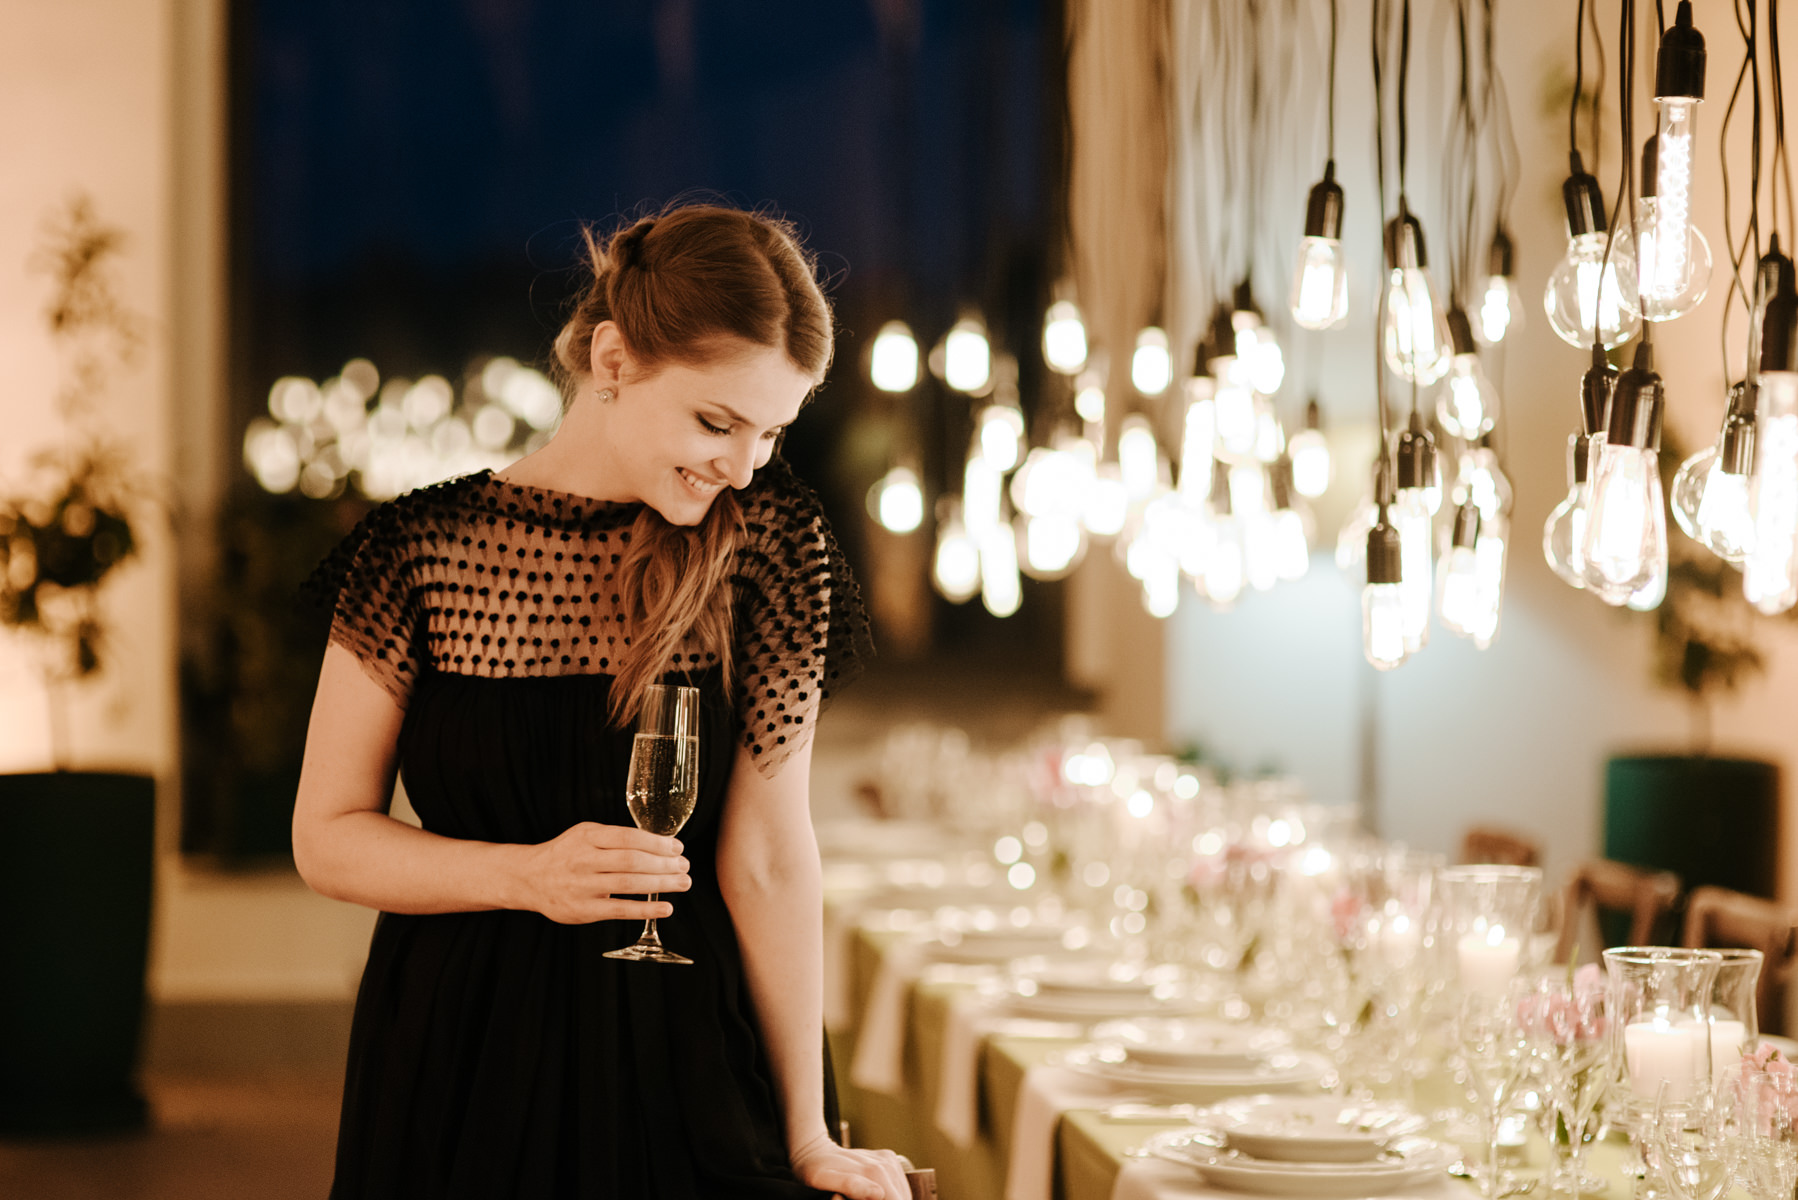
[(1657, 1051), (1726, 1046), (1489, 959)]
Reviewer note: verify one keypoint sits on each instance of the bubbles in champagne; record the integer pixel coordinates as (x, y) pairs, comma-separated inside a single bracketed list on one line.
[(664, 781)]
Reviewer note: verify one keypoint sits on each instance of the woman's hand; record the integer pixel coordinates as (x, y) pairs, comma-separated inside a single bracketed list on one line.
[(851, 1174), (573, 878)]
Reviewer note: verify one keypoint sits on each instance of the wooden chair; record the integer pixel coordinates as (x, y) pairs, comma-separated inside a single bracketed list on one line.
[(1717, 917), (1600, 885), (1488, 844)]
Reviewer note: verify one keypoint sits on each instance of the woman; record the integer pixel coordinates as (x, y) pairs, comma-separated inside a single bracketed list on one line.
[(492, 639)]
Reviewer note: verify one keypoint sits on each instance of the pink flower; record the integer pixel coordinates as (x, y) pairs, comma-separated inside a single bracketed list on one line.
[(1345, 909)]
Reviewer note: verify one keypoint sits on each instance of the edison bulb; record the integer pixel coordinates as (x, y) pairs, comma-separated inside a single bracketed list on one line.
[(1108, 502), (1236, 419), (1467, 405), (1151, 367), (1383, 624), (897, 500), (1770, 571), (1411, 517), (1291, 549), (1310, 454), (1626, 534), (1499, 310), (967, 357), (893, 365), (1049, 547), (1489, 553), (956, 566), (1319, 284), (1480, 479), (1413, 328), (1001, 435), (1711, 505), (1459, 584), (1139, 458), (1675, 261), (1001, 590), (1564, 533), (1064, 338), (1590, 299)]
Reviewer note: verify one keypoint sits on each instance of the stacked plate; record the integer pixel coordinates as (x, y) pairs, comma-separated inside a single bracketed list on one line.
[(1313, 1146), (1198, 1083), (1193, 1042), (1094, 989), (990, 935)]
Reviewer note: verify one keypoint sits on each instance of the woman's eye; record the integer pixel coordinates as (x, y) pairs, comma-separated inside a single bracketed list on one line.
[(773, 434), (711, 428)]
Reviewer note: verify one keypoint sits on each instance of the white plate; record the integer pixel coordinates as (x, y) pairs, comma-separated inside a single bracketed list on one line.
[(1093, 1007), (1415, 1161), (1310, 1129), (1284, 1072), (1193, 1042), (1071, 979)]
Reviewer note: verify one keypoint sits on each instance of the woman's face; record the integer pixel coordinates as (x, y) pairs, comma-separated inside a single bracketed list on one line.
[(682, 434)]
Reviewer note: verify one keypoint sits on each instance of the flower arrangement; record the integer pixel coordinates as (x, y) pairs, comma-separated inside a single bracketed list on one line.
[(64, 531)]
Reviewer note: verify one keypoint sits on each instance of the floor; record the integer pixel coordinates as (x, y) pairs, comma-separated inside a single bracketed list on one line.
[(214, 1138)]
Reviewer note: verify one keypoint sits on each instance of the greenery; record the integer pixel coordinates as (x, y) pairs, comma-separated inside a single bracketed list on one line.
[(73, 520)]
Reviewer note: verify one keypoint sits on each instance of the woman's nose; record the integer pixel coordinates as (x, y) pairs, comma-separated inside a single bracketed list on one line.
[(738, 463)]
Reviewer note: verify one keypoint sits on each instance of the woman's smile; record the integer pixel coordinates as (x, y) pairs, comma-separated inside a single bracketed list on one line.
[(702, 487)]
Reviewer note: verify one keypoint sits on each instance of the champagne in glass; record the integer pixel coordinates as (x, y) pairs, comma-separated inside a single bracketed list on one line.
[(662, 787)]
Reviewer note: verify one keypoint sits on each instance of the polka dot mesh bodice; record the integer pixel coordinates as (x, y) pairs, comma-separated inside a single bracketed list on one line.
[(482, 577)]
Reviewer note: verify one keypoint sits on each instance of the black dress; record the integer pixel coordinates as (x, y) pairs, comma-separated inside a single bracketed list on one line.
[(496, 1054)]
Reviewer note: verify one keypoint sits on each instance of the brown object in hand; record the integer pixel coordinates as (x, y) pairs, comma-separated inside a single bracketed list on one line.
[(1600, 884), (922, 1184), (1487, 844), (1718, 917)]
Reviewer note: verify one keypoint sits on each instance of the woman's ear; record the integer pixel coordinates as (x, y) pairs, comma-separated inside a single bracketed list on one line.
[(608, 356)]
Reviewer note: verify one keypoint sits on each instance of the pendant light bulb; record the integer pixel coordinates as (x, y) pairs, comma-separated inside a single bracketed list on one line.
[(1198, 439), (1064, 338), (1458, 580), (968, 356), (1490, 553), (1151, 366), (1673, 256), (1049, 547), (1001, 435), (1590, 297), (897, 500), (1310, 454), (1467, 404), (955, 568), (1500, 311), (1411, 516), (1001, 589), (1383, 638), (1414, 327), (1626, 534), (1480, 481), (1288, 537), (893, 364), (1710, 499), (1320, 277), (1139, 457), (1107, 508), (1770, 571)]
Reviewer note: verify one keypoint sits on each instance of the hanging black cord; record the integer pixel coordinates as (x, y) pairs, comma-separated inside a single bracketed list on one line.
[(1624, 172), (1781, 162), (1597, 86), (1379, 151), (1579, 77), (1404, 77), (1738, 249), (1330, 140), (1509, 160)]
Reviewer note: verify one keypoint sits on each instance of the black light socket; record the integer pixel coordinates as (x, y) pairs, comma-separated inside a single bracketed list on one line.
[(1416, 455), (1735, 454), (1744, 398), (1595, 389), (1223, 335), (1579, 458), (1679, 66), (1220, 487), (1279, 483), (1245, 299), (1404, 243), (1779, 331), (1772, 273), (1323, 212), (1636, 405), (1385, 553), (1501, 256), (1314, 418), (1584, 201), (1467, 525), (1651, 167), (1460, 332)]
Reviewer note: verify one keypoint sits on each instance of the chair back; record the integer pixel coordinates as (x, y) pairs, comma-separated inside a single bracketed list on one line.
[(1718, 917), (1600, 885), (1489, 844)]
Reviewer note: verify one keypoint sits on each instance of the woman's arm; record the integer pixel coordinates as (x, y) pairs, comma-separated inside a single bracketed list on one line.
[(348, 848), (768, 871)]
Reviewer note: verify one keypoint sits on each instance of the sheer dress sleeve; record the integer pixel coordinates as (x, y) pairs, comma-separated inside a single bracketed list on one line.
[(802, 633), (370, 584)]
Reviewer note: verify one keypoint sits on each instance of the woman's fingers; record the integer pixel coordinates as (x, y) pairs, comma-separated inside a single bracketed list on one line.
[(628, 837), (642, 885)]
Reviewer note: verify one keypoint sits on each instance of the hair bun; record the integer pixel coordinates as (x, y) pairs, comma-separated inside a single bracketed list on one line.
[(627, 244)]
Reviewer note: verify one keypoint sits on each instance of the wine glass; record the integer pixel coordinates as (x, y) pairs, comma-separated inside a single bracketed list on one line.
[(662, 787), (1490, 1049), (1687, 1146), (1764, 1126), (1563, 1016)]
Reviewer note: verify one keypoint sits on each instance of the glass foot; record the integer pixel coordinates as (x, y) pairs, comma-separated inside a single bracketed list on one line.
[(643, 951)]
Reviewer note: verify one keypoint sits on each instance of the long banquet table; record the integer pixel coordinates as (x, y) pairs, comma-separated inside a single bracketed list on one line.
[(1089, 1150)]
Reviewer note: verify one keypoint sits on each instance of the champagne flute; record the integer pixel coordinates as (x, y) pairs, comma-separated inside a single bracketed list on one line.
[(1491, 1051), (662, 787)]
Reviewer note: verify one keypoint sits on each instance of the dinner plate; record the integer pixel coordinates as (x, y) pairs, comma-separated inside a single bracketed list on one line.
[(1091, 979), (1193, 1041), (1310, 1129), (1286, 1071), (1412, 1161)]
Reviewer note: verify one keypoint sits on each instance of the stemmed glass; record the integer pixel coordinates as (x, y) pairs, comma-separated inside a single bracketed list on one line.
[(1563, 1017), (1490, 1047), (1686, 1145), (662, 787), (1763, 1125)]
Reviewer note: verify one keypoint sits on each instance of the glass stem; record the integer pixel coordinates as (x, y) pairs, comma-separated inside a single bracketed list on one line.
[(649, 927), (1494, 1123)]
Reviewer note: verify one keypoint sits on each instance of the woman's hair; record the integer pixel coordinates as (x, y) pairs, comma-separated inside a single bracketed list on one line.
[(690, 285)]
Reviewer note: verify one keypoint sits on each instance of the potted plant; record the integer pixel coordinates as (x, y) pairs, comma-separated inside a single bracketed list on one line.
[(76, 847), (1687, 812)]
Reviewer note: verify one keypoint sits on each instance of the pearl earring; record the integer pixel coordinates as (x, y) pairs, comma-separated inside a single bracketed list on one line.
[(607, 395)]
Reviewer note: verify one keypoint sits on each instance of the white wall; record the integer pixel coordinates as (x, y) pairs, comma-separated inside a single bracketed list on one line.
[(1516, 734)]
